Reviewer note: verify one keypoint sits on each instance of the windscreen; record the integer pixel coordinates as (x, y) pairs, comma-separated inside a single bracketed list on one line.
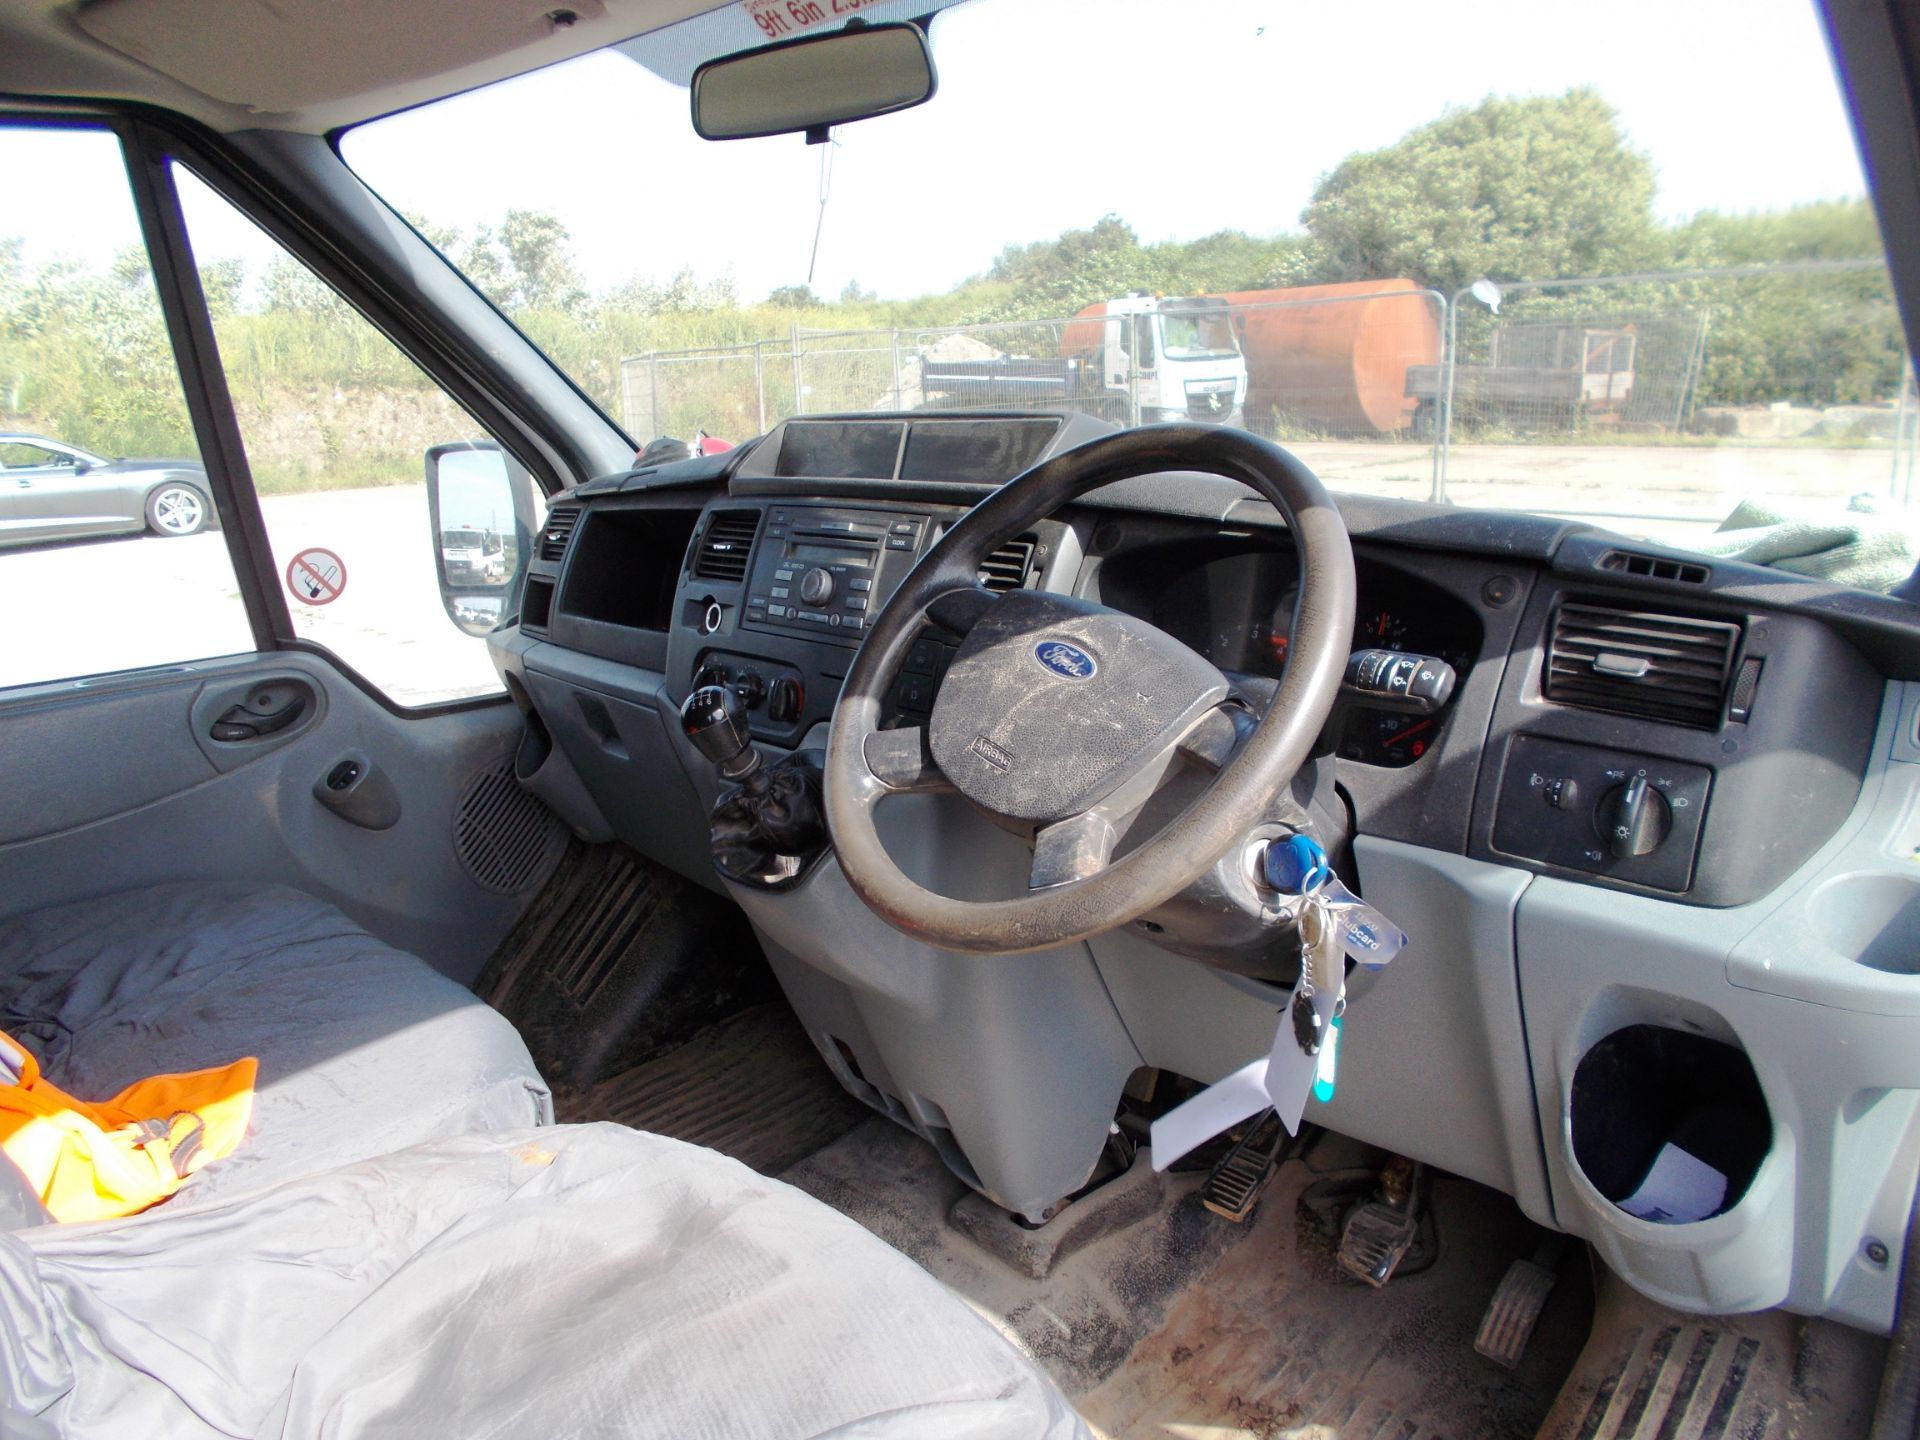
[(1613, 265), (1192, 333)]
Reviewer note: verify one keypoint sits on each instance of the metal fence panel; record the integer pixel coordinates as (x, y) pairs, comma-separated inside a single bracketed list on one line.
[(1601, 397), (1595, 396)]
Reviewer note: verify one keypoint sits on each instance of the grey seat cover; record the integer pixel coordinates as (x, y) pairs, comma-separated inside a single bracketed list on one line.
[(363, 1049), (575, 1281)]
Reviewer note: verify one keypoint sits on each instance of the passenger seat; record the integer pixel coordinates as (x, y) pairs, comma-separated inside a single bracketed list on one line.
[(363, 1049)]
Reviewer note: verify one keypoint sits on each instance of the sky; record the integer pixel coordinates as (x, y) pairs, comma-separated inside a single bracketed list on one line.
[(1182, 116)]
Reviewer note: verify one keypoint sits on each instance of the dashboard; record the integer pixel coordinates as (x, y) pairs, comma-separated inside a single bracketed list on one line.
[(762, 570), (1611, 832)]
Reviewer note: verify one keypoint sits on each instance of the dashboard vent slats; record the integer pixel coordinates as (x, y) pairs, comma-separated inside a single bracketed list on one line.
[(726, 546), (1640, 662), (560, 525), (1656, 567), (1010, 566)]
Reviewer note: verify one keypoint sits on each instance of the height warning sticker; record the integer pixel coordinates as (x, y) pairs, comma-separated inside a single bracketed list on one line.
[(316, 576), (778, 19)]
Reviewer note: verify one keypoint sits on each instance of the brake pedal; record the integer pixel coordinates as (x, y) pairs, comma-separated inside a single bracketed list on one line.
[(1378, 1234), (1234, 1186), (1515, 1309)]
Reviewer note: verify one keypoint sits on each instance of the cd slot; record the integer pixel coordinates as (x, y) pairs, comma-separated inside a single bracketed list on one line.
[(857, 535)]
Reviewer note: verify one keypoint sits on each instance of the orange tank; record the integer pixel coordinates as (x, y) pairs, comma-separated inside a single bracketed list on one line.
[(1341, 366), (1085, 334)]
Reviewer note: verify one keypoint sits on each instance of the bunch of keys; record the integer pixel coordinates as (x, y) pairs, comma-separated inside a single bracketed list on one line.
[(1334, 923), (1320, 970)]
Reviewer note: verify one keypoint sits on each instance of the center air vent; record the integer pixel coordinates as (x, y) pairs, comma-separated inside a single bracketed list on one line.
[(560, 523), (726, 546), (1657, 567), (1638, 662), (1008, 567)]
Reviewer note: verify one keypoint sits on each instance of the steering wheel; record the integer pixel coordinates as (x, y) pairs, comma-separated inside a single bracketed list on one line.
[(1062, 717)]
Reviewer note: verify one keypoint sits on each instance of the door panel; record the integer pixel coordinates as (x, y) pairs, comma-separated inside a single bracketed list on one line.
[(115, 786)]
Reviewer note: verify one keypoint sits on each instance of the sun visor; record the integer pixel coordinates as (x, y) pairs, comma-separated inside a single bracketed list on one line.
[(677, 51), (275, 57)]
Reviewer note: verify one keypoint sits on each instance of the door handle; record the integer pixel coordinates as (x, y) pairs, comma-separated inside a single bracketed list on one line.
[(267, 711)]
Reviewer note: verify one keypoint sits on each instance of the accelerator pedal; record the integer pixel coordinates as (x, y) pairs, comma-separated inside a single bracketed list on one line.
[(1234, 1186), (1378, 1234), (1515, 1309)]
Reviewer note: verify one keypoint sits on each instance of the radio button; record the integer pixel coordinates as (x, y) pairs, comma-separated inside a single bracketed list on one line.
[(816, 586)]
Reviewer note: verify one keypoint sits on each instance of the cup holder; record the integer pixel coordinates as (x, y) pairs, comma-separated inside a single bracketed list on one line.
[(1872, 919), (1646, 1086)]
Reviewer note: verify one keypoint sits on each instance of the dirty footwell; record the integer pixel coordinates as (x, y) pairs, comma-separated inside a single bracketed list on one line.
[(1183, 1325)]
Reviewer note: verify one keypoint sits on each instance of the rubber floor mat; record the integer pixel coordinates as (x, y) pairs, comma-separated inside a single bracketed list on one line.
[(618, 961), (752, 1087), (1652, 1372)]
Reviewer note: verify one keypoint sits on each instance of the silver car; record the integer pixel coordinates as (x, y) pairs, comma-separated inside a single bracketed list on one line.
[(51, 491)]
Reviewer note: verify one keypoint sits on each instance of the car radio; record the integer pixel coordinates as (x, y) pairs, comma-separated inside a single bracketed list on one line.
[(825, 572)]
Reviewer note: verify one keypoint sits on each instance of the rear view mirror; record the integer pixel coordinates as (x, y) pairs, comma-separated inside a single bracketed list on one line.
[(480, 506), (814, 83)]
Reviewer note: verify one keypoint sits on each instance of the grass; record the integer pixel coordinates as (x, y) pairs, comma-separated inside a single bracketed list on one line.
[(352, 473)]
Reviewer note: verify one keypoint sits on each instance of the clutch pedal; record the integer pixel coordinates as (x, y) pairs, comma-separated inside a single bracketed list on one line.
[(1234, 1186)]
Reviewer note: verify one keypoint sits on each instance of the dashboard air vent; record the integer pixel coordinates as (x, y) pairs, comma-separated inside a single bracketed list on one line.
[(1010, 566), (1658, 567), (726, 546), (560, 523), (1638, 662)]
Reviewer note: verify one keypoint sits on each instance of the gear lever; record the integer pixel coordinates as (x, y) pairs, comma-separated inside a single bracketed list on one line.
[(714, 718)]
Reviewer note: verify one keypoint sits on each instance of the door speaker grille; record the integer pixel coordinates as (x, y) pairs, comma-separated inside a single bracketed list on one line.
[(507, 839)]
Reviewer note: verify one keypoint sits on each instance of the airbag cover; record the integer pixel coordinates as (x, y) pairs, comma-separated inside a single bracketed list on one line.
[(1053, 702)]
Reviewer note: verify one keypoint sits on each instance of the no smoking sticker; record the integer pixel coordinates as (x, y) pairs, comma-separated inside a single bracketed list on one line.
[(316, 576)]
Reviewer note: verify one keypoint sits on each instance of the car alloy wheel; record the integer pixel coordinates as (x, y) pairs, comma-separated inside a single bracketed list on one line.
[(177, 510)]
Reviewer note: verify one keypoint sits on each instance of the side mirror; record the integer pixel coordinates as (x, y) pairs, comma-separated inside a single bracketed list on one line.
[(81, 467), (813, 83), (481, 515)]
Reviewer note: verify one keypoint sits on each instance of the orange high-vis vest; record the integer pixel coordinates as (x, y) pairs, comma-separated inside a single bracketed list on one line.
[(97, 1161)]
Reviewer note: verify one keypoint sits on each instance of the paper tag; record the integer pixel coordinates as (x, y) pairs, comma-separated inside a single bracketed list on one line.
[(1216, 1109), (1679, 1189), (1282, 1078)]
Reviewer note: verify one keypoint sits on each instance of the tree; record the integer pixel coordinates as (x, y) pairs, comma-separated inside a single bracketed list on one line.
[(222, 281), (793, 297), (289, 287), (444, 238), (852, 294), (1514, 189), (1058, 277), (544, 275)]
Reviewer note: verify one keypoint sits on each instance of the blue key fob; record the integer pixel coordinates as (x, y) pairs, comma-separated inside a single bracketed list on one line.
[(1292, 863)]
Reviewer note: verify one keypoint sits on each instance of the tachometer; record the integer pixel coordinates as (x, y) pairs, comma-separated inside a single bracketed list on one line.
[(1379, 628)]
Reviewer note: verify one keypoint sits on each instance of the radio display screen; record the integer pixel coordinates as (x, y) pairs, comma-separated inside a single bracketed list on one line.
[(824, 554)]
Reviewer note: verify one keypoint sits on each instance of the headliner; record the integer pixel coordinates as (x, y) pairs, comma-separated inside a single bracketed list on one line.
[(302, 65)]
